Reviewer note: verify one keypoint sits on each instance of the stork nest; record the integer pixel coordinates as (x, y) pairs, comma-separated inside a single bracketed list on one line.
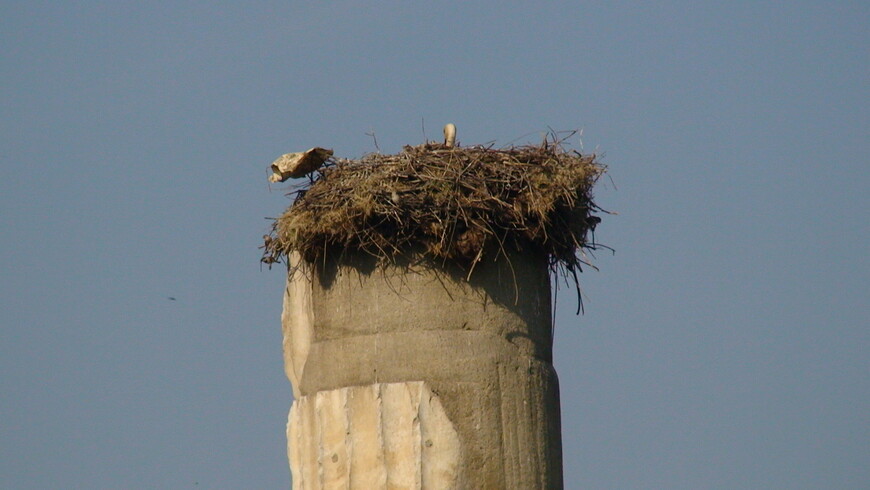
[(447, 204)]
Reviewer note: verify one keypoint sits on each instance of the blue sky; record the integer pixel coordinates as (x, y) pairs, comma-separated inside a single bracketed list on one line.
[(724, 345)]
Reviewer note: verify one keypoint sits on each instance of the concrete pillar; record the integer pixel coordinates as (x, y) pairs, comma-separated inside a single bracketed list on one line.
[(413, 376)]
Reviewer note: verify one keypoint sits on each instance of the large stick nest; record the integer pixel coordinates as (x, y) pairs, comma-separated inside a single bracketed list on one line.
[(449, 204)]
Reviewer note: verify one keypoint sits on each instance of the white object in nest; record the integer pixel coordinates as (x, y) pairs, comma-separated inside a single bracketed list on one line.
[(449, 135), (300, 164)]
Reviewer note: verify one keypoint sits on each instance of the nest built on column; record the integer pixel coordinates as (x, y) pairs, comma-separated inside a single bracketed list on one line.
[(456, 204)]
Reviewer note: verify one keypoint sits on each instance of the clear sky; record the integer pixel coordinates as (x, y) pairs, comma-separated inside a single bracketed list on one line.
[(724, 345)]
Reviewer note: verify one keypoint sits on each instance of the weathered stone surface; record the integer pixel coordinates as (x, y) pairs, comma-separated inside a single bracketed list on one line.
[(297, 322), (393, 435), (482, 348)]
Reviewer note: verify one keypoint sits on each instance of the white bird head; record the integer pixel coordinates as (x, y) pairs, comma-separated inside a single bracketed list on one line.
[(449, 135)]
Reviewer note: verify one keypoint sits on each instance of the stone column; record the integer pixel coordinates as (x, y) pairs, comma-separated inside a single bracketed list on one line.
[(421, 376)]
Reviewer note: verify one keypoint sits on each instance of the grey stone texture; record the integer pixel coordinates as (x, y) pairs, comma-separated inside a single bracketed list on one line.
[(480, 346)]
